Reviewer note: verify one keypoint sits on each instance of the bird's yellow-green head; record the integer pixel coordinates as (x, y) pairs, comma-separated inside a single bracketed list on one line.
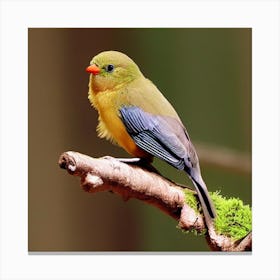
[(110, 70)]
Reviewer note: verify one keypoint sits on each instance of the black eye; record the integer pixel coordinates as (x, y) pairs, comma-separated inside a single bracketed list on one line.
[(109, 68)]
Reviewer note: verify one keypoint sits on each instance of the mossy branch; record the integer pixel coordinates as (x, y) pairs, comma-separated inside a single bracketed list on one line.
[(231, 230)]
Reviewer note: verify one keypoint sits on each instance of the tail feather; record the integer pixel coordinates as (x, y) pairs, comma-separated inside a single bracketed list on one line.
[(204, 197)]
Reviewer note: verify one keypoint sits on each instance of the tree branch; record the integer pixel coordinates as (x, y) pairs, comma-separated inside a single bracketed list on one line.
[(132, 181)]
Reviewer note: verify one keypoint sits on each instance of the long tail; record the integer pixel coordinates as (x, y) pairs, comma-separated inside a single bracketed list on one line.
[(204, 198)]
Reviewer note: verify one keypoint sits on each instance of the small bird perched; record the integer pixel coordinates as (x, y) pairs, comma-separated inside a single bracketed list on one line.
[(134, 114)]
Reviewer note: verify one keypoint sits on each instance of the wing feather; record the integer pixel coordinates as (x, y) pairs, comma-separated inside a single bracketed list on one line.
[(155, 135)]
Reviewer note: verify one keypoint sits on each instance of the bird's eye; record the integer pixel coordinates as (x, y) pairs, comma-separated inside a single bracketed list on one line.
[(109, 68)]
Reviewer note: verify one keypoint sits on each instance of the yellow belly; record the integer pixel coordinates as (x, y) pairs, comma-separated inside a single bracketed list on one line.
[(116, 130)]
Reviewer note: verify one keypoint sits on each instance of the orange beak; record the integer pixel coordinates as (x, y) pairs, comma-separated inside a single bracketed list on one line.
[(93, 69)]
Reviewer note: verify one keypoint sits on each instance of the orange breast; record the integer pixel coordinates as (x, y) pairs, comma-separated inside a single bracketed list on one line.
[(118, 132)]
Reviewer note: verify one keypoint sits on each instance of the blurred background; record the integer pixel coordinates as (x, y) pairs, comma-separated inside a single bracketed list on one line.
[(204, 73)]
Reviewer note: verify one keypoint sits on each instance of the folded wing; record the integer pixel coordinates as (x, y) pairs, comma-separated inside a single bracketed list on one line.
[(163, 137)]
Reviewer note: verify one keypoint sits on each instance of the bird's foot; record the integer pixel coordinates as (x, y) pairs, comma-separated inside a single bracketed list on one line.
[(129, 160), (139, 162)]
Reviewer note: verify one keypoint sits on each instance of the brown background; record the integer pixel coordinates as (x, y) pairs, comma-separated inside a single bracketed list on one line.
[(205, 73)]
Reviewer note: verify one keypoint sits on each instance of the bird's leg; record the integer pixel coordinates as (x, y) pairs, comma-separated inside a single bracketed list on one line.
[(147, 165), (140, 162), (129, 160)]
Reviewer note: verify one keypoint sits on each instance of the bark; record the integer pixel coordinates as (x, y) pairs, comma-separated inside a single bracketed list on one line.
[(133, 181)]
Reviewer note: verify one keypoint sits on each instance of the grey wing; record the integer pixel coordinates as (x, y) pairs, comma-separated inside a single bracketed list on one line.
[(162, 137)]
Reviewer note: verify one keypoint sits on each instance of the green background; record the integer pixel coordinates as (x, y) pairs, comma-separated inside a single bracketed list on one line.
[(206, 75)]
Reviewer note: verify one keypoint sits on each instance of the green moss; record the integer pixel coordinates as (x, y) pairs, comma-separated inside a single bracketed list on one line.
[(191, 200), (193, 231), (234, 219)]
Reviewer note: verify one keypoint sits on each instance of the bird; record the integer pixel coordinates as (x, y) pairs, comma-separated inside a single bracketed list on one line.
[(134, 114)]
